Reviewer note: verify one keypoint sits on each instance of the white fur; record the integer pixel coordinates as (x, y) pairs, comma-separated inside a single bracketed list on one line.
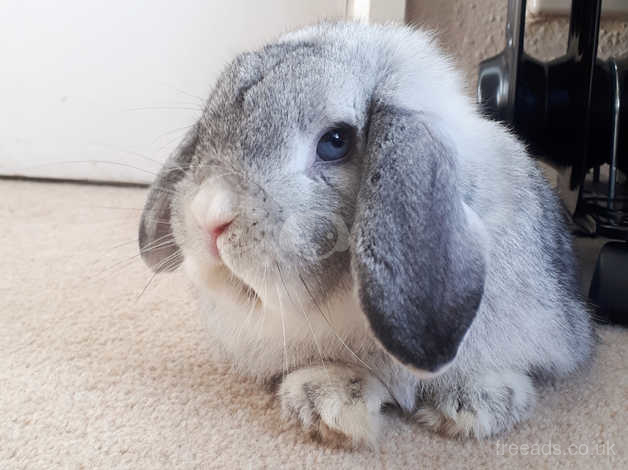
[(346, 400), (252, 338), (277, 331), (214, 204)]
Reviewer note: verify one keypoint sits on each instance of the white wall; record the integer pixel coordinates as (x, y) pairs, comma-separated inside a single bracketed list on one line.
[(83, 81), (107, 80)]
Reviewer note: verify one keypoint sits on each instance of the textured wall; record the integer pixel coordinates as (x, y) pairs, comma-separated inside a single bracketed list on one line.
[(472, 30)]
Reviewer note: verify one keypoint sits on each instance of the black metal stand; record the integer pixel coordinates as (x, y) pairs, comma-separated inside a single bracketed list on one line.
[(572, 112)]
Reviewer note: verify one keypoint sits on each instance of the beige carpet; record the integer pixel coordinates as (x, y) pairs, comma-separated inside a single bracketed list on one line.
[(92, 377)]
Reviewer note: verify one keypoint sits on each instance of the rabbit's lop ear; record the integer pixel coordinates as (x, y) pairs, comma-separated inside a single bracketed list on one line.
[(418, 250), (157, 244)]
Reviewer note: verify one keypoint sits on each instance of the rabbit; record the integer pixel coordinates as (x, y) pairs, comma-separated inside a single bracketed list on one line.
[(360, 235)]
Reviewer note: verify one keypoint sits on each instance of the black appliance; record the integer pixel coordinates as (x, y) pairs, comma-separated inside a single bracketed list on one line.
[(573, 111)]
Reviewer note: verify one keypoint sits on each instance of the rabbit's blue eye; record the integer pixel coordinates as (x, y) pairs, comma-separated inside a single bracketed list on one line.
[(334, 145)]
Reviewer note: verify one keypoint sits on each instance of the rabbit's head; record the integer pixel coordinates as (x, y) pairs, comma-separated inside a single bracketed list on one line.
[(324, 164)]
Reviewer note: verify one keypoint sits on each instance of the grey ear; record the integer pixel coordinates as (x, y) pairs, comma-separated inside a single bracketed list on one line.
[(418, 250), (157, 245)]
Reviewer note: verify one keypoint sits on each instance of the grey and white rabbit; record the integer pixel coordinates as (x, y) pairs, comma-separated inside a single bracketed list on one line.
[(356, 229)]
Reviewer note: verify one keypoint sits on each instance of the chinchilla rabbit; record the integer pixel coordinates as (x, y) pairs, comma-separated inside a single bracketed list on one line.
[(358, 232)]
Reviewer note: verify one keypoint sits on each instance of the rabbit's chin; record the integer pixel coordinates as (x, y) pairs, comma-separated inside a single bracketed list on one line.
[(218, 281), (276, 333)]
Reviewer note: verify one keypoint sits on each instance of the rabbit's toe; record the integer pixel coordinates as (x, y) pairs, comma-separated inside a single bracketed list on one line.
[(339, 405), (483, 409), (460, 424)]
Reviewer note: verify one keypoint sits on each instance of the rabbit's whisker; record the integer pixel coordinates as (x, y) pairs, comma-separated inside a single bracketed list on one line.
[(283, 331), (120, 245), (247, 319), (307, 319), (166, 108), (157, 246), (201, 101), (160, 242), (169, 261), (359, 359), (181, 91), (165, 237), (169, 143), (164, 190), (170, 132), (104, 162), (329, 323), (116, 267), (131, 152), (113, 208), (146, 286)]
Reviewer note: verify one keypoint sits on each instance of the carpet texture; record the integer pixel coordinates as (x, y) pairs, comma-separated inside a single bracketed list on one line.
[(93, 375)]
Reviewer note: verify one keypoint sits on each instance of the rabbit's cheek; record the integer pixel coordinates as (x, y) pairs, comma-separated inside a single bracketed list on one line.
[(247, 246), (313, 239)]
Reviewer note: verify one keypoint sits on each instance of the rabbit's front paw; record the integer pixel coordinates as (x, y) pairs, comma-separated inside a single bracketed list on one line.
[(491, 406), (340, 405)]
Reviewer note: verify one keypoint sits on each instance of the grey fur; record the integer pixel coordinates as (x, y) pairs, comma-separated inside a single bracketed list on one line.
[(459, 254), (410, 216), (156, 241)]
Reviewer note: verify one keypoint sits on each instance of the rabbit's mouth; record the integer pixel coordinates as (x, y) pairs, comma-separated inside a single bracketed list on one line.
[(221, 281), (243, 289)]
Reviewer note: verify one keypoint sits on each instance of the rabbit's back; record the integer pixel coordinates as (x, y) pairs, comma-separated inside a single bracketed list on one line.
[(532, 314)]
